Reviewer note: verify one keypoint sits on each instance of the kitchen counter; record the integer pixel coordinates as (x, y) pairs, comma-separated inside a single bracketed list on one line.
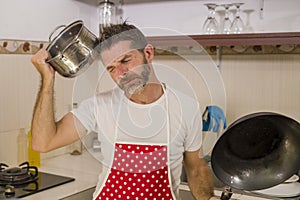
[(84, 168), (237, 194)]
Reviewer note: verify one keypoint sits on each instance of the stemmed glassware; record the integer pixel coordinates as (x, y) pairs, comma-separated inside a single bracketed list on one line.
[(237, 25), (248, 27), (227, 22), (211, 25)]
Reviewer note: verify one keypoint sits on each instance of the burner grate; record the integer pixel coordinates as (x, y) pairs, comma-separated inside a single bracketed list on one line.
[(23, 174)]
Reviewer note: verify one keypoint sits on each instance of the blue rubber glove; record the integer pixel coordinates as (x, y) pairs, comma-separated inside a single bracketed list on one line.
[(211, 119)]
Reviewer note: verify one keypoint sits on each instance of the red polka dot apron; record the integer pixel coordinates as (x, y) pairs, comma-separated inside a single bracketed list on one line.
[(139, 171)]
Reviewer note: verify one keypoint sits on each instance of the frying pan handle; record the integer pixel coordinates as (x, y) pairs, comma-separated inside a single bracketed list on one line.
[(51, 34), (226, 195)]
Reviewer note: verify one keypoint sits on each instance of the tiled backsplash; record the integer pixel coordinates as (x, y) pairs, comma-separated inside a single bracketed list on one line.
[(20, 46), (9, 147), (263, 82), (30, 47), (19, 85)]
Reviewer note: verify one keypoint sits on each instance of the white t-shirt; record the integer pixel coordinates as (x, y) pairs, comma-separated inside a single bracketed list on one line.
[(173, 119)]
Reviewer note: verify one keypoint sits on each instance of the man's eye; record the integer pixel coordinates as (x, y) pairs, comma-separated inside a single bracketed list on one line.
[(110, 69), (125, 61)]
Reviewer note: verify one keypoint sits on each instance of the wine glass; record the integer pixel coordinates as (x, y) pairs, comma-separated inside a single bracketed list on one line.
[(226, 22), (248, 27), (237, 25), (211, 25)]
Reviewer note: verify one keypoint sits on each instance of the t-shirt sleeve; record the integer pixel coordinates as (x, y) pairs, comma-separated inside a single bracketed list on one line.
[(193, 139), (84, 113)]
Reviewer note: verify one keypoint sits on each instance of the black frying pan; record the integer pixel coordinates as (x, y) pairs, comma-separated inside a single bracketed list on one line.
[(257, 151)]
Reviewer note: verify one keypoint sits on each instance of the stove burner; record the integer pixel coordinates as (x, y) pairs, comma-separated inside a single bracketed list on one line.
[(23, 174)]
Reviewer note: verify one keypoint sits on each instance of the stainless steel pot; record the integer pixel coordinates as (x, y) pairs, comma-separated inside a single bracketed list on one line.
[(72, 51), (257, 151)]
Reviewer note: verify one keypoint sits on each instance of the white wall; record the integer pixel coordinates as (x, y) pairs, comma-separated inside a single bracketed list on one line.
[(32, 20), (252, 83), (36, 19), (19, 86), (188, 16)]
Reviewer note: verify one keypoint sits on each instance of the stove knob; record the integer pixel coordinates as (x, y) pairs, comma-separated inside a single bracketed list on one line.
[(9, 190)]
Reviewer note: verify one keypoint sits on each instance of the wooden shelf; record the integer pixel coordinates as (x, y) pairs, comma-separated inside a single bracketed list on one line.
[(252, 39)]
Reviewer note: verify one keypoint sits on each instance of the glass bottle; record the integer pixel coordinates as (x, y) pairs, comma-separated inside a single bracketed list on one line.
[(22, 146), (119, 12), (107, 14), (33, 156)]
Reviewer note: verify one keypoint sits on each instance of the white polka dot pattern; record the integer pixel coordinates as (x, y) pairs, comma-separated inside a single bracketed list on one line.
[(139, 172)]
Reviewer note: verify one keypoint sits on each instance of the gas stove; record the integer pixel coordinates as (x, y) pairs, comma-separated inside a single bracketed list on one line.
[(25, 180)]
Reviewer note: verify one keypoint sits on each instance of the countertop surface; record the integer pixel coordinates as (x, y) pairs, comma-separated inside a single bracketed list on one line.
[(85, 169)]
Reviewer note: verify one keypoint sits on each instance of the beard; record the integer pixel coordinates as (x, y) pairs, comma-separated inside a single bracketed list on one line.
[(134, 82)]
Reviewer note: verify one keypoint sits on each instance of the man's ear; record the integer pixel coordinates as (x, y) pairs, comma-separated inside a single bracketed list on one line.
[(149, 52)]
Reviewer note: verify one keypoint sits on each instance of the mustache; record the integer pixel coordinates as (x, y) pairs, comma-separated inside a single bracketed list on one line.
[(128, 77)]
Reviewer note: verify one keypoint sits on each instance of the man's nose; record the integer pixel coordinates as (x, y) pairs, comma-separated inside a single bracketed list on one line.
[(122, 70)]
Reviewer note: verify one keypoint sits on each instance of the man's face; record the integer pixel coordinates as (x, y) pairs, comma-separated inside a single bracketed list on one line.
[(128, 67)]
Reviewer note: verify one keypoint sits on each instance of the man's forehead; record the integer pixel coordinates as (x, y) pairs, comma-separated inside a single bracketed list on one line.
[(115, 51)]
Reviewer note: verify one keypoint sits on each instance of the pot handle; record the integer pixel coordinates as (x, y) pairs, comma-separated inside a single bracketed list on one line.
[(57, 28)]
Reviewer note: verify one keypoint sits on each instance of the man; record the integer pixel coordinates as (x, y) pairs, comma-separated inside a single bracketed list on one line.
[(146, 128)]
